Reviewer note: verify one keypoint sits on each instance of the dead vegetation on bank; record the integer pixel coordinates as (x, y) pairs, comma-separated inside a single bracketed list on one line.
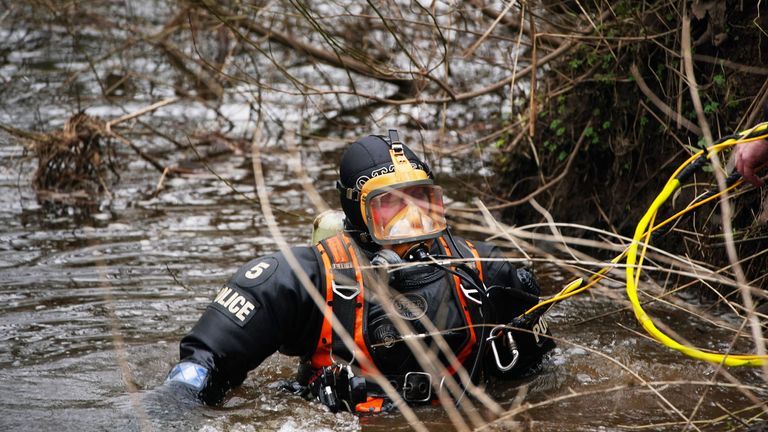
[(654, 83), (78, 162), (566, 96), (584, 108)]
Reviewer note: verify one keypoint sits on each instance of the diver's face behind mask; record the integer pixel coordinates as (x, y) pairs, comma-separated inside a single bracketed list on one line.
[(409, 212)]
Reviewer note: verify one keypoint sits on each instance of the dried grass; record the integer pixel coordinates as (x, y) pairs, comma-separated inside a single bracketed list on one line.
[(395, 57)]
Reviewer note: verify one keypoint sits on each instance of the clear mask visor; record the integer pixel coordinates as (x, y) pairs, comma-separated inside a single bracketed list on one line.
[(405, 214)]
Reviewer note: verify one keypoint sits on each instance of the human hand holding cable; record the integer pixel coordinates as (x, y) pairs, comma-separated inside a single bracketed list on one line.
[(750, 157)]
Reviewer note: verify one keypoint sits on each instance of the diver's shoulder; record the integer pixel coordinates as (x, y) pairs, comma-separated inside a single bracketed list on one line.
[(483, 248), (269, 267)]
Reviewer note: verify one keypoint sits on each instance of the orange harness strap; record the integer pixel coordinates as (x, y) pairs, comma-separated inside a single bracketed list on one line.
[(338, 254), (322, 354), (478, 263), (360, 303), (371, 406), (467, 349)]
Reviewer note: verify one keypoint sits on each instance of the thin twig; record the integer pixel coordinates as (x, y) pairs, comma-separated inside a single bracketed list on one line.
[(140, 112), (304, 279), (725, 207), (658, 103), (552, 182), (471, 49)]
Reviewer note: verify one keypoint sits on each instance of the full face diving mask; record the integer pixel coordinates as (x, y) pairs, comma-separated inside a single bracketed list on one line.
[(404, 205)]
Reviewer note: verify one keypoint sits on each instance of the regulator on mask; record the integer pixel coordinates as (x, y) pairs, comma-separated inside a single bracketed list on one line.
[(390, 265), (383, 262)]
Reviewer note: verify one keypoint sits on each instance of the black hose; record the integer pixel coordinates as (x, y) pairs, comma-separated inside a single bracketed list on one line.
[(729, 181)]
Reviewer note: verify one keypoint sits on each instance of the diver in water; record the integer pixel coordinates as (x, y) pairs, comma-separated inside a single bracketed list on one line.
[(394, 262)]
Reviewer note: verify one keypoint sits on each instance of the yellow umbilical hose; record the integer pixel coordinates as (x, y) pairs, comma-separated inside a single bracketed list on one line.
[(642, 234)]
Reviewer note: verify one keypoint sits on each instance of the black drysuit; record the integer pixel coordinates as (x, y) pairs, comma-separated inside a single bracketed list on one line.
[(264, 308)]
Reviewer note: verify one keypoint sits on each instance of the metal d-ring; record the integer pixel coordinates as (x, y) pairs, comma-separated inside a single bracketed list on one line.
[(333, 360)]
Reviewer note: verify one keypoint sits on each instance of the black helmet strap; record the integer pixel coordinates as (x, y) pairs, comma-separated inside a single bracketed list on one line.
[(394, 142), (349, 193)]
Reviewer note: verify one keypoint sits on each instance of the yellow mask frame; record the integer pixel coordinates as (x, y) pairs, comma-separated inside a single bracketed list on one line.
[(403, 174)]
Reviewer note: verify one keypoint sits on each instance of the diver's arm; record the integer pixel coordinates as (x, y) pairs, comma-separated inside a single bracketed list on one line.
[(531, 337), (512, 291), (217, 354), (260, 310)]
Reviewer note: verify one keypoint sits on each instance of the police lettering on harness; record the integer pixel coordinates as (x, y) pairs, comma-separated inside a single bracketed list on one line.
[(234, 305), (539, 328)]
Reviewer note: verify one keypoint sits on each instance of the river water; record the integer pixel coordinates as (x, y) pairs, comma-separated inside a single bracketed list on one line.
[(94, 298)]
